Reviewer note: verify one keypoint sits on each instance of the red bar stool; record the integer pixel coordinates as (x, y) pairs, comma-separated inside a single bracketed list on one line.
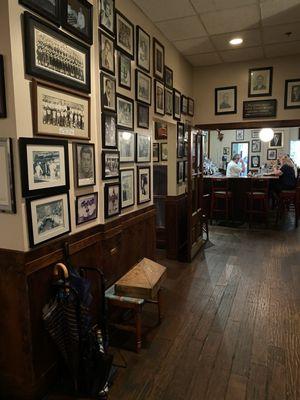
[(220, 195), (257, 200)]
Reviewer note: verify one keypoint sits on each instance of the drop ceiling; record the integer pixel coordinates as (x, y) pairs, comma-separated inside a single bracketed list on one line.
[(201, 29)]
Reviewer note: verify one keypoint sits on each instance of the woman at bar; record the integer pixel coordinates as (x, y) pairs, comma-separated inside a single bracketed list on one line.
[(233, 168), (286, 172)]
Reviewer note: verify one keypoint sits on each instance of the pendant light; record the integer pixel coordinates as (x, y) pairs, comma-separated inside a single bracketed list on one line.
[(266, 134)]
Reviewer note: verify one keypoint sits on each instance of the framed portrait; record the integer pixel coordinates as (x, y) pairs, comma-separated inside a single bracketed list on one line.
[(226, 100), (277, 140), (52, 55), (77, 18), (47, 9), (255, 134), (260, 82), (86, 208), (143, 148), (155, 152), (184, 105), (180, 140), (112, 199), (107, 16), (126, 146), (158, 60), (239, 135), (45, 166), (159, 97), (142, 49), (164, 151), (292, 93), (124, 34), (108, 92), (107, 53), (109, 130), (142, 116), (85, 164), (125, 112), (127, 188), (144, 184), (143, 83), (226, 151), (272, 154), (7, 187), (191, 107), (124, 71), (168, 77), (255, 161), (168, 101), (60, 112), (2, 89), (47, 218), (110, 164), (161, 130), (180, 171), (176, 105), (255, 146)]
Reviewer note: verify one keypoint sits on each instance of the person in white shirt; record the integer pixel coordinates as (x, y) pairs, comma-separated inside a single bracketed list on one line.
[(233, 168)]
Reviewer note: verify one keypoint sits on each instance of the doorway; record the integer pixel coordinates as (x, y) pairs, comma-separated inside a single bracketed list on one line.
[(241, 148)]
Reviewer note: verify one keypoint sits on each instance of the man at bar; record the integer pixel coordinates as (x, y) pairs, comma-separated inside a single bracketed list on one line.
[(233, 168)]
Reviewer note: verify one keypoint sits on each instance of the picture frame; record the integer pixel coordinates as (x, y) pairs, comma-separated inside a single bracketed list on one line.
[(86, 208), (176, 105), (168, 101), (254, 134), (124, 34), (108, 92), (255, 145), (124, 71), (158, 60), (110, 164), (143, 85), (292, 94), (7, 187), (180, 140), (277, 140), (185, 173), (159, 97), (143, 44), (109, 130), (47, 218), (255, 161), (191, 107), (266, 108), (164, 151), (226, 151), (168, 77), (144, 184), (50, 11), (3, 111), (107, 16), (161, 130), (184, 105), (226, 100), (272, 154), (112, 199), (155, 152), (125, 112), (77, 18), (45, 166), (60, 112), (143, 148), (142, 116), (240, 135), (260, 82), (107, 53), (85, 171), (126, 146), (180, 171), (39, 35), (127, 188)]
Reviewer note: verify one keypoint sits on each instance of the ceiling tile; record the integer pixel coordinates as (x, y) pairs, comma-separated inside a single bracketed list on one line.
[(282, 49), (182, 28), (203, 6), (194, 46), (158, 10), (251, 39), (277, 34), (199, 60), (280, 11), (236, 55)]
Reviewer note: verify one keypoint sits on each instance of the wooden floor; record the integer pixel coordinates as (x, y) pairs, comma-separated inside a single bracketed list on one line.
[(231, 328)]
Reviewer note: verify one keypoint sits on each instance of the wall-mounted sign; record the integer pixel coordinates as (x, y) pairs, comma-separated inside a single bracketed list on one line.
[(259, 108)]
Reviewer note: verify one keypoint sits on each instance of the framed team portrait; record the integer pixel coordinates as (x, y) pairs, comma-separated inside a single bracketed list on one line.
[(255, 146), (142, 116), (176, 105), (7, 187), (191, 107), (125, 112), (155, 152), (77, 18), (85, 172), (277, 140), (168, 101), (272, 154), (49, 9), (108, 92), (143, 148), (255, 161), (2, 89), (124, 71), (52, 55), (86, 208), (159, 97), (158, 60), (142, 49), (127, 188), (168, 77), (124, 35), (260, 82), (107, 16), (126, 146), (110, 164), (144, 184), (226, 100), (112, 199), (184, 105), (107, 53), (109, 130), (143, 83), (292, 93)]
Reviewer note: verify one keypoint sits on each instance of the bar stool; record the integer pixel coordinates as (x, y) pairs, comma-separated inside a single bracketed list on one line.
[(205, 215), (220, 194), (257, 199), (288, 198)]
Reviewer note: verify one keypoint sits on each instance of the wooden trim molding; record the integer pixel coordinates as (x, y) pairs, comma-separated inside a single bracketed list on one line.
[(250, 125)]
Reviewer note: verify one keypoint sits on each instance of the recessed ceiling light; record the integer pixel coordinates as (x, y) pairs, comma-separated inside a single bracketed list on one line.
[(236, 41)]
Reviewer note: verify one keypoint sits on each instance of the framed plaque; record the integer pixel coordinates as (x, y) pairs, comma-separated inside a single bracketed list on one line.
[(259, 109)]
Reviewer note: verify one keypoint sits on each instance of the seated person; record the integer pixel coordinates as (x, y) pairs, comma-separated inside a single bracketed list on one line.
[(287, 179), (233, 169)]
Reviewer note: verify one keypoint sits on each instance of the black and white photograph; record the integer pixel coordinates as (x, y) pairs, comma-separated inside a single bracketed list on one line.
[(107, 53), (191, 107), (109, 130), (45, 166), (226, 100), (126, 146), (85, 164), (292, 93), (52, 55), (180, 171), (107, 16), (110, 164), (142, 49), (255, 146), (7, 187), (226, 151), (161, 130), (142, 116), (2, 89), (184, 105), (143, 83), (108, 92), (143, 184), (48, 218), (159, 97), (272, 154), (77, 17), (255, 134), (127, 187), (124, 71), (86, 208), (168, 77), (168, 101), (180, 140), (155, 152), (143, 148), (158, 60), (164, 151), (260, 82), (124, 34), (112, 199), (176, 105), (49, 9), (185, 174), (277, 140), (239, 135), (125, 112), (255, 161)]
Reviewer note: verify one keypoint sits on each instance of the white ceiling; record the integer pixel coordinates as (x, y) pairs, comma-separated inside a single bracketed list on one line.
[(201, 29)]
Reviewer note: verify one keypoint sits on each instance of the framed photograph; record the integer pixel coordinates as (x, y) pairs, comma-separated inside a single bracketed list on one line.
[(168, 77), (226, 151), (255, 146), (107, 16), (255, 134), (107, 53), (292, 93), (226, 100), (110, 164), (124, 34), (127, 188), (155, 152), (86, 208), (161, 130), (109, 130), (184, 105), (180, 140), (143, 148), (180, 171), (60, 112), (48, 218), (124, 71), (191, 107), (272, 154), (45, 166), (2, 89), (239, 135), (158, 60), (168, 101), (143, 85), (125, 112), (126, 146), (112, 199), (186, 170), (255, 161), (108, 92), (52, 55), (49, 9), (7, 187), (260, 82), (277, 140), (77, 18), (164, 151), (176, 105), (142, 116), (85, 164), (159, 97), (142, 49), (144, 184)]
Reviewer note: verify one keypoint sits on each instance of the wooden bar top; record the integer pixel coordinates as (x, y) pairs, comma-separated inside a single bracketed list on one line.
[(240, 177)]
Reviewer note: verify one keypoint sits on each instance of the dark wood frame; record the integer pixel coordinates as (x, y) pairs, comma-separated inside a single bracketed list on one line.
[(138, 29), (236, 135), (282, 141), (159, 135), (176, 93), (113, 79), (139, 167), (108, 71), (272, 149), (76, 175), (76, 207), (133, 187), (234, 88), (179, 155), (161, 152), (190, 100), (184, 99), (137, 72), (255, 151), (111, 32), (55, 19), (286, 107), (156, 144), (170, 91), (168, 70), (158, 76), (118, 13), (134, 146), (258, 115), (64, 20), (138, 135), (104, 153), (11, 177), (3, 111), (270, 69), (129, 100), (120, 55), (157, 82), (106, 189), (103, 115), (139, 106), (252, 166), (177, 176)]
